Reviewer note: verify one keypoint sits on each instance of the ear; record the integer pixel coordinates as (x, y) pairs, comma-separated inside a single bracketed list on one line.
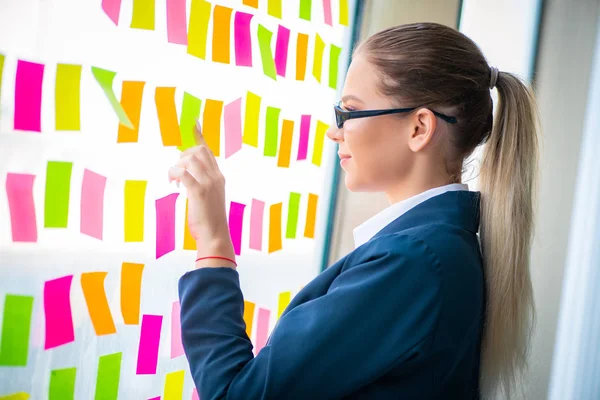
[(424, 125)]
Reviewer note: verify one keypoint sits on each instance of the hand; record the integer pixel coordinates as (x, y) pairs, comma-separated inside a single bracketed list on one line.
[(199, 172)]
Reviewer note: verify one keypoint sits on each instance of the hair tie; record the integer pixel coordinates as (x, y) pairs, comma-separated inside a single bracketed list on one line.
[(493, 77)]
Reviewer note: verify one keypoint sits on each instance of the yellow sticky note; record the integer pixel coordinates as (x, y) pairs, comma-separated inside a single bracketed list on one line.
[(318, 59), (344, 12), (143, 14), (285, 148), (249, 316), (275, 227), (211, 125), (16, 396), (67, 97), (250, 136), (135, 193), (274, 8), (319, 139), (174, 386), (284, 300), (198, 28), (311, 216)]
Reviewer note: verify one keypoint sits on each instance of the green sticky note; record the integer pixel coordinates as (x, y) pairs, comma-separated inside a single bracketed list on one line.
[(334, 60), (62, 384), (292, 218), (67, 97), (143, 14), (198, 28), (274, 8), (58, 189), (305, 9), (105, 80), (109, 374), (271, 131), (264, 43), (16, 324), (190, 111)]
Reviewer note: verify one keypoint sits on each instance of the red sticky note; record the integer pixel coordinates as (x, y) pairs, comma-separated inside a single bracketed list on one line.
[(112, 8), (19, 190), (256, 224), (243, 43), (176, 22), (304, 135), (236, 221), (28, 96), (176, 344), (262, 329), (233, 127), (165, 224), (92, 204), (57, 309), (281, 50), (149, 342)]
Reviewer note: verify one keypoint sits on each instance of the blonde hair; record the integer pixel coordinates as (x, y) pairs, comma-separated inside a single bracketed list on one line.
[(432, 65)]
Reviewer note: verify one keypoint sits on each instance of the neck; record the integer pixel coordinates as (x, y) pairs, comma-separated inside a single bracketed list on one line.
[(405, 190)]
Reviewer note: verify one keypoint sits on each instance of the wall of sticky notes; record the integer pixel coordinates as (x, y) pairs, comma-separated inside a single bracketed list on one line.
[(97, 101)]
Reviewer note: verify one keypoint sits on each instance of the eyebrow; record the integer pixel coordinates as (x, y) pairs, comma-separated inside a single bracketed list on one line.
[(351, 97)]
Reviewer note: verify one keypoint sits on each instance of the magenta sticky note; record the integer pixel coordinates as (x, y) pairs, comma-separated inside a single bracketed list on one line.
[(233, 127), (176, 22), (195, 395), (176, 345), (257, 210), (57, 310), (281, 50), (112, 8), (19, 191), (92, 204), (149, 342), (236, 221), (165, 224), (28, 96), (243, 42), (304, 136), (154, 398), (327, 12), (262, 329)]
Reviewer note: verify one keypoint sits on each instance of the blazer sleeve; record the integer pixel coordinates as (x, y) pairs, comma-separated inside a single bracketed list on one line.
[(377, 314)]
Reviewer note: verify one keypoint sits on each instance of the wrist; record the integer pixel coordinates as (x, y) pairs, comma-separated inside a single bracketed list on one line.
[(216, 254)]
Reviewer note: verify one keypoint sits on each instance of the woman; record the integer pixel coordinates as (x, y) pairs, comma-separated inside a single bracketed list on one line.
[(416, 311)]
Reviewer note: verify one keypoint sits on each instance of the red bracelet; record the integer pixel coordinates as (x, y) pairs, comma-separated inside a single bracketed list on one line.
[(221, 258)]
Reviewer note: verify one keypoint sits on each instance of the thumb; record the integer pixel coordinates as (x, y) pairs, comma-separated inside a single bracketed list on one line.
[(198, 134)]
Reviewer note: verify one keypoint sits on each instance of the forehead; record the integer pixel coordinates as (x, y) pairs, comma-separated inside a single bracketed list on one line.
[(362, 81)]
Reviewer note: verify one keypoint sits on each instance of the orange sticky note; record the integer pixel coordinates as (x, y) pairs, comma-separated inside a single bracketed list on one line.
[(275, 227), (285, 148), (92, 284), (131, 290), (311, 216), (251, 3), (319, 139), (284, 300), (188, 241), (301, 51), (221, 34), (211, 125), (131, 101), (167, 116), (249, 316)]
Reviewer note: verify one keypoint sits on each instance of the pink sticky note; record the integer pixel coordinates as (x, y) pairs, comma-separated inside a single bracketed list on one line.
[(262, 329), (243, 43), (176, 22), (195, 395), (233, 127), (176, 345), (281, 50), (57, 308), (165, 224), (327, 12), (154, 398), (149, 341), (28, 96), (236, 221), (19, 190), (256, 224), (92, 203), (112, 8), (304, 134)]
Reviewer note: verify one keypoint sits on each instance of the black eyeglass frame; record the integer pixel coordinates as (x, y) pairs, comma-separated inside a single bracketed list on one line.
[(342, 115)]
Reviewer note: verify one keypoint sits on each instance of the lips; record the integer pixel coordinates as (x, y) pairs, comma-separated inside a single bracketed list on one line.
[(343, 156)]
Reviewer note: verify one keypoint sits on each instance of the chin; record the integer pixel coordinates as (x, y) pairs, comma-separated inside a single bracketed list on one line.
[(352, 184)]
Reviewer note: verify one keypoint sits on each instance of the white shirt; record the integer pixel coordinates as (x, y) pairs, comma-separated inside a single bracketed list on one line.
[(365, 231)]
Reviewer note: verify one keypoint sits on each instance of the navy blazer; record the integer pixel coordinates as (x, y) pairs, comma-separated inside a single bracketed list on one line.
[(400, 317)]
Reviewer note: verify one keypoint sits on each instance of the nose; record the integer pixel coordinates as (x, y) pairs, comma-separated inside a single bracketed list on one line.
[(335, 134)]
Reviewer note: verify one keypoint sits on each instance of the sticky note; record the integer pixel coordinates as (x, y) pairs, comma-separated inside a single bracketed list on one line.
[(165, 224), (1, 71), (262, 329), (275, 227), (264, 44), (281, 50), (318, 58), (131, 290), (105, 79), (243, 42), (319, 139), (344, 12), (92, 204), (311, 216), (221, 34), (16, 327), (133, 226), (19, 191), (108, 376), (236, 221), (164, 97), (305, 9), (327, 12), (292, 217), (143, 14), (257, 209), (154, 398), (189, 243), (57, 309), (251, 3), (274, 8), (176, 344), (249, 316), (251, 119), (28, 96), (92, 285), (284, 300), (334, 60), (149, 342), (190, 111), (112, 8), (304, 136), (271, 131), (62, 384), (131, 101), (198, 28), (58, 189), (16, 396), (211, 125), (176, 22), (67, 97), (285, 148), (301, 54), (195, 394), (233, 127), (174, 386)]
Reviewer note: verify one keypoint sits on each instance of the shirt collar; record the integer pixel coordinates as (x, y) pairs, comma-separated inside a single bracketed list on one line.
[(365, 231)]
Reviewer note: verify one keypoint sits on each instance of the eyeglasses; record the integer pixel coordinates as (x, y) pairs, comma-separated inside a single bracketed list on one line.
[(342, 115)]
